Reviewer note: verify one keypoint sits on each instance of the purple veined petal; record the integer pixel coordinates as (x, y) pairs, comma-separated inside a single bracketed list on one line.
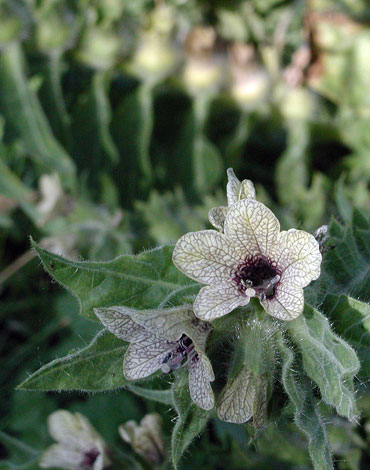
[(287, 303), (144, 358), (298, 257), (206, 256), (217, 300), (252, 227), (200, 376)]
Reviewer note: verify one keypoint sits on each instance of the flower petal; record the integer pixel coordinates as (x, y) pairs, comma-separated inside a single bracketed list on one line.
[(146, 357), (218, 300), (200, 376), (236, 400), (206, 256), (73, 430), (61, 456), (167, 323), (232, 187), (217, 217), (252, 226), (287, 303), (247, 190), (118, 322), (298, 257)]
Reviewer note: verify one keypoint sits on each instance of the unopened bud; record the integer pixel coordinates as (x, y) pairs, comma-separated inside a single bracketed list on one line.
[(145, 438)]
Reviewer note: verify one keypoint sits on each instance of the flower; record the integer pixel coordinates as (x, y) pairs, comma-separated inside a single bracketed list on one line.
[(79, 446), (146, 438), (244, 398), (164, 339), (235, 191), (251, 258)]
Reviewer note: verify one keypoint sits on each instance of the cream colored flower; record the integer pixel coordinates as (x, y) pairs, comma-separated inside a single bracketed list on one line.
[(244, 398), (236, 190), (251, 258), (164, 339), (79, 446), (145, 438)]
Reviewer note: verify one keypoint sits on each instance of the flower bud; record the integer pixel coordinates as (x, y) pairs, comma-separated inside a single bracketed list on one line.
[(145, 438)]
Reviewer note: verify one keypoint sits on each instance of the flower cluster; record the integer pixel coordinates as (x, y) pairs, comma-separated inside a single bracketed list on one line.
[(246, 256)]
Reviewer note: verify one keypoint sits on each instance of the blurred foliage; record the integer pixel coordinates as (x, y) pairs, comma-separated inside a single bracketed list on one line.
[(117, 122)]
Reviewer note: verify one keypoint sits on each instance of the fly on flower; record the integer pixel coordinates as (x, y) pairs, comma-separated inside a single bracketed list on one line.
[(166, 340), (251, 258)]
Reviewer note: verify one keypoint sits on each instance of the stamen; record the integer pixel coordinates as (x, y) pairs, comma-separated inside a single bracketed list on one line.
[(174, 359)]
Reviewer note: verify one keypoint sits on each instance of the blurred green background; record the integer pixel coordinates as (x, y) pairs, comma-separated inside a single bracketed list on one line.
[(118, 120)]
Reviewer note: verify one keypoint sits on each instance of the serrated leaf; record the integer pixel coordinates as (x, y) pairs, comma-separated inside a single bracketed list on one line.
[(351, 319), (147, 280), (96, 368), (327, 359), (22, 109), (191, 421), (306, 416)]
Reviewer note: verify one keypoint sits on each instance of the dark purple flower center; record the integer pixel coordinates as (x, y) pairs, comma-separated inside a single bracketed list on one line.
[(258, 273), (184, 347), (89, 459)]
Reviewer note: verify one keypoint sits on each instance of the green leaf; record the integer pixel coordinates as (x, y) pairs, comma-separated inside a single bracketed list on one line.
[(346, 267), (11, 186), (306, 416), (160, 396), (147, 280), (22, 109), (191, 420), (327, 359), (96, 368), (351, 319)]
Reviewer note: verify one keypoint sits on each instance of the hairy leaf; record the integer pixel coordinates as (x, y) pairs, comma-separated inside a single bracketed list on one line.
[(327, 359), (307, 416), (190, 422), (148, 280), (96, 368), (346, 267), (351, 319)]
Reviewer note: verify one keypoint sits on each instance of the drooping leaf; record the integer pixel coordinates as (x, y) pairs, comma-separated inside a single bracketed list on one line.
[(191, 421), (327, 359), (306, 416), (148, 280), (96, 368)]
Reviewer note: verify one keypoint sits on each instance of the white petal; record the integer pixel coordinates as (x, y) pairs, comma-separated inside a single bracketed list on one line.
[(200, 376), (118, 322), (60, 456), (287, 303), (206, 256), (166, 322), (73, 430), (247, 190), (236, 401), (252, 226), (232, 188), (144, 358), (218, 300), (217, 217), (298, 257)]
